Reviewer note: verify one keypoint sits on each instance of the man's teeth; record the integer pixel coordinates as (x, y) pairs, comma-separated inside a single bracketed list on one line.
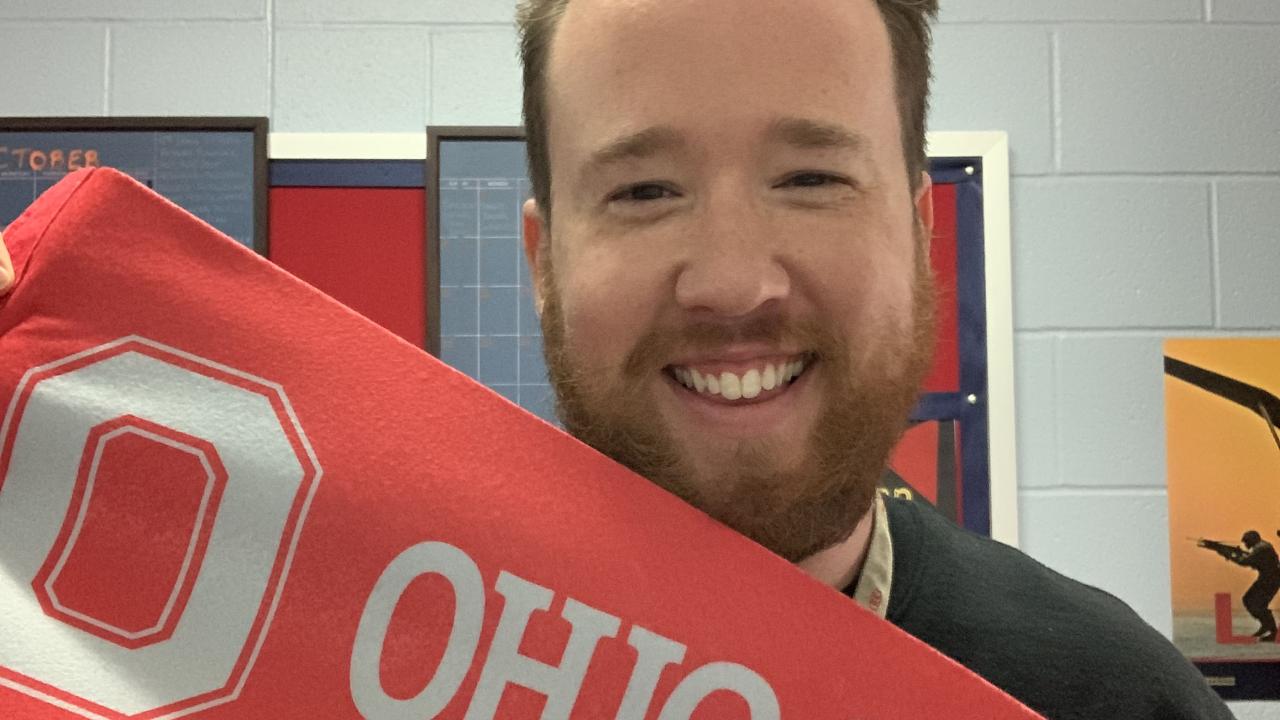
[(735, 387)]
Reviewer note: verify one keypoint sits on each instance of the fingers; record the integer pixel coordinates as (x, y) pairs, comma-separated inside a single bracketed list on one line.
[(6, 268)]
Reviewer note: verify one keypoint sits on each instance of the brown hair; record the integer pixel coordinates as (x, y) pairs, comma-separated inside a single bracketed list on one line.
[(909, 33)]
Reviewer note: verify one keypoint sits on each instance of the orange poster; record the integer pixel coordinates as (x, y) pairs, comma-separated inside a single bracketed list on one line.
[(1222, 404)]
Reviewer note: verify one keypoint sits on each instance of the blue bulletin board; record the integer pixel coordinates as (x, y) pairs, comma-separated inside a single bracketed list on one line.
[(216, 168), (488, 327), (483, 321)]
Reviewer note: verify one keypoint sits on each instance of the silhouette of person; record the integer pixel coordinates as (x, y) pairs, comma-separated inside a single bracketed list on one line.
[(1260, 556)]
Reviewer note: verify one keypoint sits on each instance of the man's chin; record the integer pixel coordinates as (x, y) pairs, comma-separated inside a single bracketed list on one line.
[(792, 516), (754, 467), (792, 497)]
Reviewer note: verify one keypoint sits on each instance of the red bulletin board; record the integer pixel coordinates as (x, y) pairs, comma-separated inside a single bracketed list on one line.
[(945, 375), (364, 247), (927, 462)]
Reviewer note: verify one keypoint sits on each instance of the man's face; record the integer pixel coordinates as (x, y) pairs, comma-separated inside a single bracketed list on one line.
[(735, 299)]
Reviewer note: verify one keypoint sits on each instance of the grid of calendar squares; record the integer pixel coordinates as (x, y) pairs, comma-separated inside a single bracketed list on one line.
[(488, 325)]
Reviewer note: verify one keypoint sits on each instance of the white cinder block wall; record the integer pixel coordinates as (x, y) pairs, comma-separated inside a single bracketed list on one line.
[(1146, 143)]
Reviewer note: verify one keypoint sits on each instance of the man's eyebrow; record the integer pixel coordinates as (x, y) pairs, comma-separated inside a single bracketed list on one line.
[(814, 135), (637, 146)]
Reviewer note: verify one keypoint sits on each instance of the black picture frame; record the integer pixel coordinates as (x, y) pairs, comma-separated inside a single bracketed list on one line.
[(258, 126), (435, 135)]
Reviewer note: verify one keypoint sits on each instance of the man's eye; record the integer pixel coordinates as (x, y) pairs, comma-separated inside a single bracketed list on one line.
[(644, 192), (813, 179)]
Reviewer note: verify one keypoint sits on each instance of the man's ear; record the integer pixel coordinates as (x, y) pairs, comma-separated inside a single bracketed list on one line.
[(6, 268), (536, 242), (924, 207)]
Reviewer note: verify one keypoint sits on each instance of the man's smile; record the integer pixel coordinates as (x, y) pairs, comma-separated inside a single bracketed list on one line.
[(743, 381), (744, 399)]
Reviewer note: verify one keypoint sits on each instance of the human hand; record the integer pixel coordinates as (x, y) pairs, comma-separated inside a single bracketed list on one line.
[(6, 268)]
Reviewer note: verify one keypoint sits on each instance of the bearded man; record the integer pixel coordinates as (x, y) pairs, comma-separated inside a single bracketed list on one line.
[(729, 239)]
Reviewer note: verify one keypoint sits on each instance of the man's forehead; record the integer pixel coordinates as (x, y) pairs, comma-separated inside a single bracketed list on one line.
[(621, 66), (796, 132), (608, 21), (619, 50), (724, 9)]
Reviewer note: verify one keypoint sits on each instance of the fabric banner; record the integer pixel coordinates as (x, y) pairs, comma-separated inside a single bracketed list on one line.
[(225, 495)]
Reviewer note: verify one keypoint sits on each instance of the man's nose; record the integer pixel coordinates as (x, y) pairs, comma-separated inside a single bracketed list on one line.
[(733, 267)]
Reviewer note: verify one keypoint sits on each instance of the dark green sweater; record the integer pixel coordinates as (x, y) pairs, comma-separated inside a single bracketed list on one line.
[(1066, 650)]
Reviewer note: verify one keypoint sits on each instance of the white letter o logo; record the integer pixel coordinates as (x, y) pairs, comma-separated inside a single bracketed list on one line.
[(268, 475)]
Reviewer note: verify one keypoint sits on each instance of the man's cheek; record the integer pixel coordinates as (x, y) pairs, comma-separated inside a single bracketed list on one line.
[(587, 333), (609, 316)]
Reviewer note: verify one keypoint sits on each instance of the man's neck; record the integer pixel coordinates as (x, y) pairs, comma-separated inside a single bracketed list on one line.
[(839, 564)]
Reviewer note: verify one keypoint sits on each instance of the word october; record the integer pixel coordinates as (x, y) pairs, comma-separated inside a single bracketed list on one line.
[(503, 663), (32, 160)]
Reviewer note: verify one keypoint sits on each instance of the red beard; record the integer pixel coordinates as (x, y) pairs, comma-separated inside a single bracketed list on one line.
[(794, 512)]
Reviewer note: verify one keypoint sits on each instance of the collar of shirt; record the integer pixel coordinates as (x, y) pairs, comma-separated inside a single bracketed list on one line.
[(872, 588)]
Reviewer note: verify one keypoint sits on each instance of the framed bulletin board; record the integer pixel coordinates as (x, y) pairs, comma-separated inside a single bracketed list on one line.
[(959, 454), (347, 217), (483, 306), (974, 168), (214, 167)]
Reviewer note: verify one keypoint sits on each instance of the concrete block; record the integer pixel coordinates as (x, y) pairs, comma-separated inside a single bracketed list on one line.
[(61, 68), (475, 76), (1077, 10), (1117, 542), (189, 69), (1262, 11), (1105, 253), (1036, 392), (1255, 710), (396, 11), (1249, 253), (351, 79), (1110, 411), (1173, 98), (996, 78), (134, 9)]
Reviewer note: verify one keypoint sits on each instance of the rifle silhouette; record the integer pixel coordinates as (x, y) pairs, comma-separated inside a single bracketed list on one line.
[(1230, 552), (1252, 398)]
